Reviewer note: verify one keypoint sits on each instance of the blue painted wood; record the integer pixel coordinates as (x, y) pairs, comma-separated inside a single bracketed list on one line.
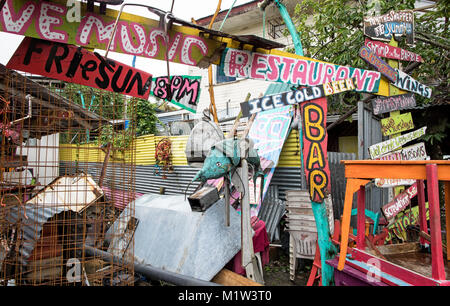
[(327, 249)]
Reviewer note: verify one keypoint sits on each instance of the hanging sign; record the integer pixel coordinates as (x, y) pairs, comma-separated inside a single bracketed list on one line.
[(315, 138), (396, 124), (388, 51), (383, 105), (268, 134), (399, 203), (392, 144), (135, 35), (366, 54), (76, 65), (414, 152), (274, 68), (400, 23), (406, 82), (297, 96), (184, 89)]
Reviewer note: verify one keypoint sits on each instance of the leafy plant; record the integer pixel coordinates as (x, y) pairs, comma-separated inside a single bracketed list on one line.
[(332, 31)]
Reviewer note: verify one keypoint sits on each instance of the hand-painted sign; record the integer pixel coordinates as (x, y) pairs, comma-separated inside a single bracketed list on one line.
[(400, 202), (296, 96), (388, 51), (366, 54), (184, 90), (396, 124), (274, 68), (403, 219), (390, 145), (77, 65), (268, 133), (383, 105), (315, 138), (135, 35), (406, 82), (414, 152), (400, 23)]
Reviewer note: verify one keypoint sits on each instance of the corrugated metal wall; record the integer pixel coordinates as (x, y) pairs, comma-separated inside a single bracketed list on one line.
[(369, 133), (287, 175)]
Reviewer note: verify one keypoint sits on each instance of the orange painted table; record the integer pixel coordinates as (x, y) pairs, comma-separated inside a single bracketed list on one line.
[(360, 172)]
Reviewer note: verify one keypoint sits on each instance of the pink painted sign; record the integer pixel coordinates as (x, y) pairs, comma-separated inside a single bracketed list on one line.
[(385, 50), (366, 54), (275, 68), (400, 202), (135, 35)]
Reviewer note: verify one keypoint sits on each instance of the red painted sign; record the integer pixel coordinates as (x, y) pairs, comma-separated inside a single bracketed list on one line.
[(315, 138), (400, 202), (77, 65), (385, 50)]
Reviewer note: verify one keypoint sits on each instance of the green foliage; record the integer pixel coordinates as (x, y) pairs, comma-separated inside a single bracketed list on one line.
[(332, 31), (145, 118), (109, 105)]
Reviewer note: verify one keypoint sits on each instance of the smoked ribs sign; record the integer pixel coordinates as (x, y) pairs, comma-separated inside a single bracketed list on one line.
[(77, 65), (315, 138), (297, 96)]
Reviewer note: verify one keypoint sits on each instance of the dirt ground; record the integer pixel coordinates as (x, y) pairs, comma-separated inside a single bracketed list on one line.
[(276, 273)]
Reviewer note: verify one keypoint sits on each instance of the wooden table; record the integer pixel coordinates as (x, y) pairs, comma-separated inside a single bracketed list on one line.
[(359, 172)]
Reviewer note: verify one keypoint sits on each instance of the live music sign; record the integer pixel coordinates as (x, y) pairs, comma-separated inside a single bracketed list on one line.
[(76, 65)]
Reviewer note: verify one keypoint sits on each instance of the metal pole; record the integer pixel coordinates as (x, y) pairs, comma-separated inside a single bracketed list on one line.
[(149, 271)]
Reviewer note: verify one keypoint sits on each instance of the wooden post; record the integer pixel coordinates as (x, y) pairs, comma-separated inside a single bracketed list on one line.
[(437, 261), (447, 215), (361, 218), (422, 210), (105, 164)]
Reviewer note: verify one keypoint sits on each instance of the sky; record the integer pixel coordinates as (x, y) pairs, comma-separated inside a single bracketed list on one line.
[(183, 9)]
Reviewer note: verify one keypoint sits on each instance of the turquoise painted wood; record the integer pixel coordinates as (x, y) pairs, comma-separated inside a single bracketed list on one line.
[(327, 249), (374, 216)]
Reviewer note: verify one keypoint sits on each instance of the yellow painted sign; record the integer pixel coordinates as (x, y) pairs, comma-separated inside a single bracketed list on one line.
[(396, 124)]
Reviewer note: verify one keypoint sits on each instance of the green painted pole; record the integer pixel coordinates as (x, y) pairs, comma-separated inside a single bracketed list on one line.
[(291, 27)]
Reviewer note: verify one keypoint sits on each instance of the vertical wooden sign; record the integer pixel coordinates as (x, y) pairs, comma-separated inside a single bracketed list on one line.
[(315, 138)]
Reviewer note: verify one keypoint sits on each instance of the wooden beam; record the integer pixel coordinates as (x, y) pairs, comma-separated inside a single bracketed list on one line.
[(229, 278)]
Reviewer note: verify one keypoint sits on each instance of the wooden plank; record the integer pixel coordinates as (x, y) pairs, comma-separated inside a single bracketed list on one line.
[(397, 271), (381, 105), (422, 209), (396, 124), (361, 218), (352, 186), (384, 27), (437, 262), (228, 278), (395, 169), (381, 148), (392, 52), (259, 66), (399, 248), (447, 215)]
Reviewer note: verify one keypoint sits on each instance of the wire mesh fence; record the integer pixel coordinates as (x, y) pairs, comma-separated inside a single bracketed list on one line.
[(49, 216)]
